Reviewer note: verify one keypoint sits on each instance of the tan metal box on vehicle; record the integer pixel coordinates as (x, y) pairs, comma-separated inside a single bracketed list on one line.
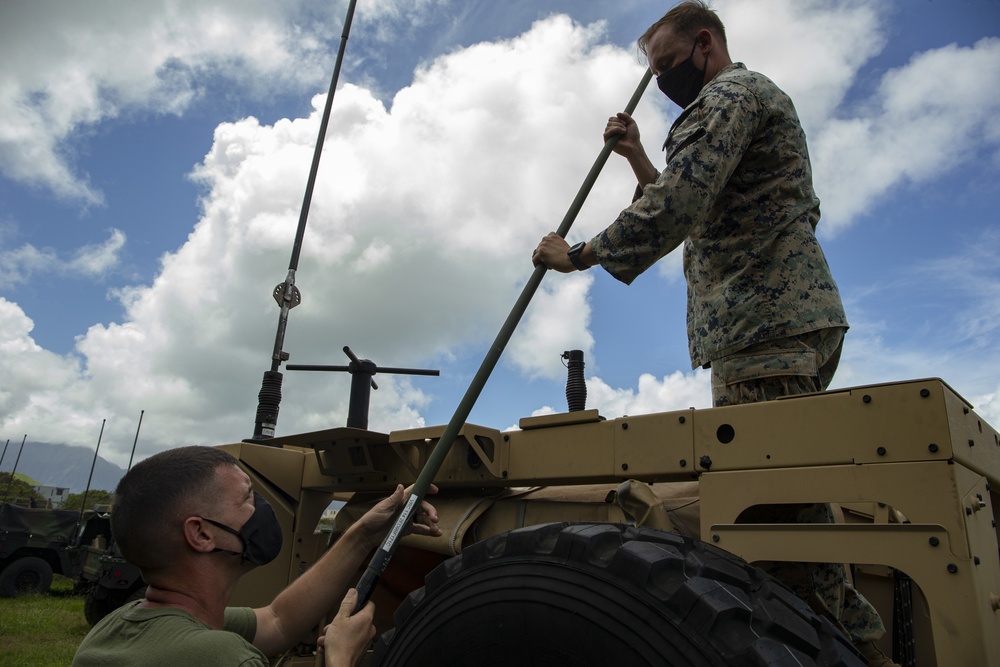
[(909, 466)]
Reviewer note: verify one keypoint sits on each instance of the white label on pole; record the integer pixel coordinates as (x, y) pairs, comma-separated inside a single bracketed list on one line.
[(404, 518)]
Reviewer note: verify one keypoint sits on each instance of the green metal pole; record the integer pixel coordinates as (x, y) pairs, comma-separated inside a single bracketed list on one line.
[(381, 558), (14, 469), (2, 456), (83, 501), (286, 294), (136, 441)]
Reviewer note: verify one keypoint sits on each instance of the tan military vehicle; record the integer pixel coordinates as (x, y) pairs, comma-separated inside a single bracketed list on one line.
[(587, 539), (581, 539)]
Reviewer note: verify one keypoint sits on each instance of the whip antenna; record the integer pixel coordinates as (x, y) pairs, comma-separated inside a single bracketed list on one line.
[(83, 501), (136, 441), (286, 294), (16, 461), (2, 456), (381, 558)]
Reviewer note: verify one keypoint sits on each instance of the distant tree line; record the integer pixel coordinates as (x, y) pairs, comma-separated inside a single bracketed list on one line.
[(21, 492), (94, 497)]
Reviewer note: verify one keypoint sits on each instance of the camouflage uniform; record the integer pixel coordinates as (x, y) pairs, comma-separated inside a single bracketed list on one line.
[(763, 372), (737, 191), (763, 310), (797, 365)]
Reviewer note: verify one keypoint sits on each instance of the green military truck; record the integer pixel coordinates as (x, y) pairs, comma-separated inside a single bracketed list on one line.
[(34, 545), (106, 580)]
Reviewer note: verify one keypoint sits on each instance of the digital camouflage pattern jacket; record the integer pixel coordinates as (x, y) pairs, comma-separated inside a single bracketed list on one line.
[(737, 192)]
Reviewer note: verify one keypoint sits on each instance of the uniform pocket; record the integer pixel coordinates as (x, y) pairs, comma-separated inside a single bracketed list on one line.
[(759, 365)]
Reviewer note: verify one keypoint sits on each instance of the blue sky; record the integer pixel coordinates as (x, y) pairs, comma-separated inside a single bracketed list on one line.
[(153, 160)]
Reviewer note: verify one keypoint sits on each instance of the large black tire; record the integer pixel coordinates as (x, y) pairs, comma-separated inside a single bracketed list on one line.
[(606, 594), (25, 576)]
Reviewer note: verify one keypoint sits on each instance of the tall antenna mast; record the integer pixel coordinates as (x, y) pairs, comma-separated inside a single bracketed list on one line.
[(14, 469), (4, 452), (134, 442), (379, 562), (286, 294), (83, 501)]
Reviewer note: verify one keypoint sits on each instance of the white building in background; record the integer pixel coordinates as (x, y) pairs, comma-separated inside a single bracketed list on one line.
[(54, 496)]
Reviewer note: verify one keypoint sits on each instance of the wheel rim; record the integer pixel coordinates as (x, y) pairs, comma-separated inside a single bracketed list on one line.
[(28, 582)]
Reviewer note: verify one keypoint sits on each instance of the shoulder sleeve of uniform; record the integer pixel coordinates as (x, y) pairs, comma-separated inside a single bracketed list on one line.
[(730, 114), (704, 150), (226, 648), (242, 621)]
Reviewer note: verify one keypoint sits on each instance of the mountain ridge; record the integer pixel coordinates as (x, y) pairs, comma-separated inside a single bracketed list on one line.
[(60, 465)]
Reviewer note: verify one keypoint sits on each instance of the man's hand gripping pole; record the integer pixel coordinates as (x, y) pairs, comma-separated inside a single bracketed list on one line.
[(379, 562)]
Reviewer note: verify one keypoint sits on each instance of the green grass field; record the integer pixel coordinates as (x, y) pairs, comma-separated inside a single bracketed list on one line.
[(42, 630)]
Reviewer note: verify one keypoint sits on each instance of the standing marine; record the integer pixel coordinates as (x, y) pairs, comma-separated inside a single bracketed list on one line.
[(763, 310)]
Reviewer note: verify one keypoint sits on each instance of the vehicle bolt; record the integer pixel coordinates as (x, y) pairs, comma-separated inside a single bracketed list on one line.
[(934, 541), (624, 426), (706, 462), (952, 568), (506, 438), (684, 463), (972, 443), (965, 411), (866, 398), (995, 601), (968, 511), (975, 559), (715, 537), (681, 419), (624, 466), (505, 474), (925, 392), (933, 448), (880, 451)]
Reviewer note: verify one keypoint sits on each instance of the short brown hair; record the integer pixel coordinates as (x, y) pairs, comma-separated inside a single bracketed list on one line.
[(151, 494), (685, 20)]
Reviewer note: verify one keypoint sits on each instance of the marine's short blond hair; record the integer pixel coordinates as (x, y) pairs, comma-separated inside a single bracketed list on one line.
[(685, 20)]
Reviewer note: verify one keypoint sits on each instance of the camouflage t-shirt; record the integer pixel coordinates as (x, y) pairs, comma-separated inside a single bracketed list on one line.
[(737, 191)]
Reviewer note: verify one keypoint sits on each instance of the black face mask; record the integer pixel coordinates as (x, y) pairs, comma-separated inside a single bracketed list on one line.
[(682, 82), (261, 534)]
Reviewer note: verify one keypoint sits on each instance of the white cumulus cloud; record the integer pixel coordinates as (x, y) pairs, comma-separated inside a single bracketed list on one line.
[(426, 206)]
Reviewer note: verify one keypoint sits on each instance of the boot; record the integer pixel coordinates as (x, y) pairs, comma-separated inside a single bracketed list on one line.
[(873, 654)]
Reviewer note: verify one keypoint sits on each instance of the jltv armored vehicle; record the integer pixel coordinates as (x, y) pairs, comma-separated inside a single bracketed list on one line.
[(578, 537)]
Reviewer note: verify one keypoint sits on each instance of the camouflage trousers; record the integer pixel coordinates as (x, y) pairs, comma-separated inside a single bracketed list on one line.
[(797, 365)]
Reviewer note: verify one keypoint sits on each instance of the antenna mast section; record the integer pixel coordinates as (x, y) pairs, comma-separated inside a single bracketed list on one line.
[(286, 294)]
